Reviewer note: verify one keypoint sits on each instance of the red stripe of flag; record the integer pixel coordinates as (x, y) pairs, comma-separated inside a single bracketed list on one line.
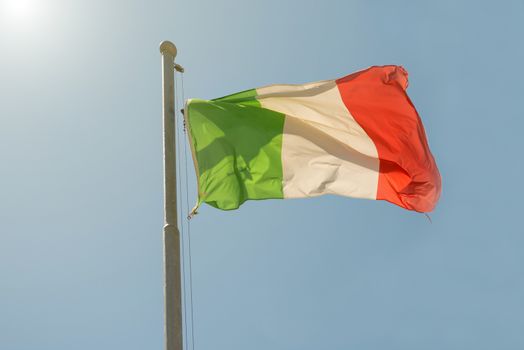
[(377, 99)]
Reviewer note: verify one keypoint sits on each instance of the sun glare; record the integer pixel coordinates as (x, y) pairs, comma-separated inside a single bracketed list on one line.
[(21, 11)]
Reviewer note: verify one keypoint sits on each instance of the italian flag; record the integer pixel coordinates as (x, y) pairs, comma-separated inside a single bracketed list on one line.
[(358, 136)]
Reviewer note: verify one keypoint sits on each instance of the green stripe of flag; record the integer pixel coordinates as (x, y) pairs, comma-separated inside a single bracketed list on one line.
[(237, 145)]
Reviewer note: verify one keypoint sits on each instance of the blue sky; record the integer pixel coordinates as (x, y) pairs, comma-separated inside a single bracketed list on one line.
[(81, 179)]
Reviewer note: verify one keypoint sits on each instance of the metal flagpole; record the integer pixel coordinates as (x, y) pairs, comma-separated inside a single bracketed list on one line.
[(172, 275)]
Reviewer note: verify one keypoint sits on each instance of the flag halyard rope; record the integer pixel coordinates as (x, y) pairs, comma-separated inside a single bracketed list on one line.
[(188, 221), (185, 225), (179, 214)]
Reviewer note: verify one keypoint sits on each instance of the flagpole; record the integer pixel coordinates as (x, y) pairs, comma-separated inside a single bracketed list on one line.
[(172, 275)]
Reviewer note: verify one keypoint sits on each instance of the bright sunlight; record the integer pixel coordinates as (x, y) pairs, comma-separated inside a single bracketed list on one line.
[(21, 12)]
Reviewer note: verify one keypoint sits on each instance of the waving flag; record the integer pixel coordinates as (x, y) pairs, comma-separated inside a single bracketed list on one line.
[(358, 136)]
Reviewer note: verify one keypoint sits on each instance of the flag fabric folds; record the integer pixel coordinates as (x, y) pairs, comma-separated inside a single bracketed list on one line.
[(357, 136)]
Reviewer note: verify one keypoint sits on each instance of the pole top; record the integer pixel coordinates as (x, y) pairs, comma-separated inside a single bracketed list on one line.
[(168, 48)]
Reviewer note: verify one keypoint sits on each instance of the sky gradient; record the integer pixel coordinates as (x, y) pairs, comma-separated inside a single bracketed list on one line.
[(81, 180)]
